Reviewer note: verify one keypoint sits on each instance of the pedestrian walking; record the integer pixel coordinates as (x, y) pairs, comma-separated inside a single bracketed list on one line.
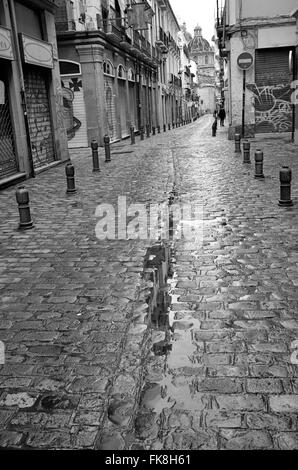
[(222, 116)]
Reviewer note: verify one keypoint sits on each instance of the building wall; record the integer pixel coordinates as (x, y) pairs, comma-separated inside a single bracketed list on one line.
[(276, 32), (266, 8), (37, 86)]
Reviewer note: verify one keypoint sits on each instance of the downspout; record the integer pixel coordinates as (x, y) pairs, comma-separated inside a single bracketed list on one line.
[(22, 84)]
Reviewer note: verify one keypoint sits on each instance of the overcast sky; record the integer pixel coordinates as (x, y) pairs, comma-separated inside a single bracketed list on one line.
[(195, 12)]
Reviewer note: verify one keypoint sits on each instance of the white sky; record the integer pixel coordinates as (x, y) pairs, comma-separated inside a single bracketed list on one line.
[(195, 12)]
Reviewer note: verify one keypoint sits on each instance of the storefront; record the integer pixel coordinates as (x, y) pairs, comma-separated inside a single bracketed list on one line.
[(110, 107), (74, 111), (8, 157), (272, 91)]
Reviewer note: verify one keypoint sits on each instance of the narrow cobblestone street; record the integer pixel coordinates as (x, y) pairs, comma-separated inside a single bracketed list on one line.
[(86, 366)]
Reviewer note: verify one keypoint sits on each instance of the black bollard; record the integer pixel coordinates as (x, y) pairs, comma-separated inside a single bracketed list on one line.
[(94, 146), (169, 127), (246, 152), (70, 178), (214, 128), (259, 159), (132, 135), (106, 140), (158, 129), (237, 143), (22, 197), (164, 128), (285, 187), (142, 132), (173, 125), (148, 131), (153, 130)]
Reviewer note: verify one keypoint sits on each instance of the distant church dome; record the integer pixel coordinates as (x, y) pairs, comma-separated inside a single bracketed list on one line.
[(198, 43), (187, 35)]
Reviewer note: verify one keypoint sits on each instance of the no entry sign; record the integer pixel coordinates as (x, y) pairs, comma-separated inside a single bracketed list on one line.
[(245, 61)]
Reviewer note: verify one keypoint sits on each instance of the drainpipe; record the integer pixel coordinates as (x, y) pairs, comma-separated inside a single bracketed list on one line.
[(22, 84)]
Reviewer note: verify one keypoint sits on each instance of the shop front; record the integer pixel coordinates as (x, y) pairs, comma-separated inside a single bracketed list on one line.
[(8, 157)]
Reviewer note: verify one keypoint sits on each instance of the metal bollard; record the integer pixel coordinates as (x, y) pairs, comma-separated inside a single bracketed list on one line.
[(94, 146), (158, 129), (142, 132), (259, 159), (285, 186), (22, 197), (106, 140), (164, 128), (173, 125), (169, 127), (214, 128), (132, 135), (237, 143), (153, 130), (148, 131), (70, 178), (246, 152)]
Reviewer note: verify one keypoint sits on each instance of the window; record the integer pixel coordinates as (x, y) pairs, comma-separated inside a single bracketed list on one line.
[(108, 68), (131, 76), (121, 72), (69, 68), (28, 21), (2, 15), (206, 59)]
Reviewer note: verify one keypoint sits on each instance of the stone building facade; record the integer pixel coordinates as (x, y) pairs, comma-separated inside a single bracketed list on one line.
[(32, 135), (267, 31), (116, 74), (203, 54)]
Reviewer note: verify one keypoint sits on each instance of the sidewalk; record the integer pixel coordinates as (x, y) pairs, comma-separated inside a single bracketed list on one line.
[(73, 308)]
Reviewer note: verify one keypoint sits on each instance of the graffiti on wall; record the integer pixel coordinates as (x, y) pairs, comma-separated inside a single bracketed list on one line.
[(273, 108), (109, 105), (71, 123)]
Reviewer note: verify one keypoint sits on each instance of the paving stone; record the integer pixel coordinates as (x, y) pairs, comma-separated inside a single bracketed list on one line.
[(284, 403), (240, 402), (287, 440), (268, 421), (245, 440), (264, 386)]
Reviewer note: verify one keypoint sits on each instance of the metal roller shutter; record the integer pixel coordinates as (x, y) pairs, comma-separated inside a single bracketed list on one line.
[(272, 91), (39, 116), (111, 121), (133, 105), (8, 160), (74, 112), (123, 108)]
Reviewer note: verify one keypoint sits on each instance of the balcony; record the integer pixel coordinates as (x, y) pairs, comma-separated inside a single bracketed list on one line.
[(162, 4), (162, 41), (175, 81)]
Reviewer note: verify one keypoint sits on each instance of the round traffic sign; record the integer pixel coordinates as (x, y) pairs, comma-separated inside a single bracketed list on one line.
[(245, 61)]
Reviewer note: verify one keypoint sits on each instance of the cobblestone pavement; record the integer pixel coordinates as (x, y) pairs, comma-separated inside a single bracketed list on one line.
[(86, 368)]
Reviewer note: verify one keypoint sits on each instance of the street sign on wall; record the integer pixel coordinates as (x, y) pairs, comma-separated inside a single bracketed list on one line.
[(245, 61)]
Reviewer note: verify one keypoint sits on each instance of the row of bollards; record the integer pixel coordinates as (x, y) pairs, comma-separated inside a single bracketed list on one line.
[(22, 194), (146, 129), (285, 175)]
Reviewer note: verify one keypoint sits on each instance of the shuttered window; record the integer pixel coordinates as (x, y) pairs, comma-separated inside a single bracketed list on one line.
[(111, 121), (272, 91), (39, 116)]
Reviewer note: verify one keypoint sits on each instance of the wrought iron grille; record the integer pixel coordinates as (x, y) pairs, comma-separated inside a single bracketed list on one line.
[(8, 161)]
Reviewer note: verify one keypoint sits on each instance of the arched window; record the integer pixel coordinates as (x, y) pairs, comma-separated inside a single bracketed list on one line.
[(108, 68), (121, 72), (68, 67), (131, 76)]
